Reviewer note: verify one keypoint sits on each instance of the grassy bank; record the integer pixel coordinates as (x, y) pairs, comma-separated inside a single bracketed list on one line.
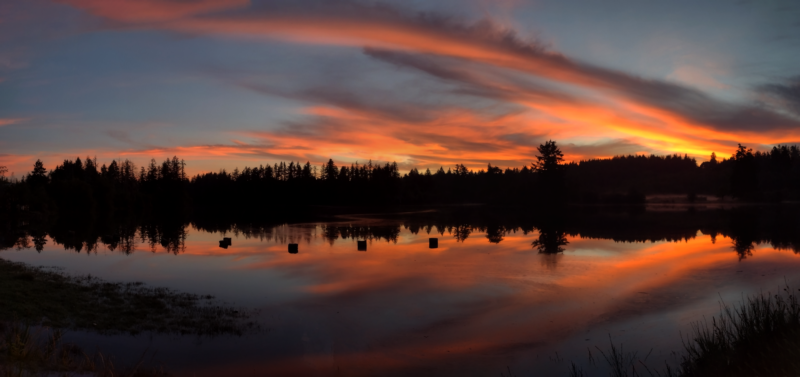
[(48, 297), (761, 337), (37, 304)]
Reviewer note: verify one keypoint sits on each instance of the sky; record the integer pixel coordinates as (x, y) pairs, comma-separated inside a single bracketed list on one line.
[(234, 83)]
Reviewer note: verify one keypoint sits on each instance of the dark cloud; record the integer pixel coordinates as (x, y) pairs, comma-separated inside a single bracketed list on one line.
[(451, 142), (374, 102), (696, 105), (684, 101), (360, 12), (482, 41), (688, 102), (371, 101), (788, 93), (524, 139), (607, 148), (120, 135), (425, 63), (453, 70)]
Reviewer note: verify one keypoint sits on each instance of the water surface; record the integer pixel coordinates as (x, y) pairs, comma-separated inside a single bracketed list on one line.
[(493, 296)]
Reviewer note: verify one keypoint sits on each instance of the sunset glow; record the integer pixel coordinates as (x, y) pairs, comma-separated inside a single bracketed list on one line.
[(225, 84)]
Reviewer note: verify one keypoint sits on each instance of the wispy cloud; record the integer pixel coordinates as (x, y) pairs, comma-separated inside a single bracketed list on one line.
[(532, 91), (787, 93), (153, 11), (10, 121)]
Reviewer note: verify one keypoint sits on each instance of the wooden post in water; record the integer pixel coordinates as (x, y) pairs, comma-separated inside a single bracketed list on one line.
[(223, 244), (362, 245), (433, 243), (293, 249), (227, 240)]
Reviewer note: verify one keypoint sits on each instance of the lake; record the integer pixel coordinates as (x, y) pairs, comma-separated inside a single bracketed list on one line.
[(520, 292)]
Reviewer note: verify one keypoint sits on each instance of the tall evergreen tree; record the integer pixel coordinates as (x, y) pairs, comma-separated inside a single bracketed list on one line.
[(330, 172), (38, 176), (550, 170), (549, 158), (744, 179)]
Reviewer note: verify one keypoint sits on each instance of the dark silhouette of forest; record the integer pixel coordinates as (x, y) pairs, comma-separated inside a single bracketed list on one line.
[(85, 188)]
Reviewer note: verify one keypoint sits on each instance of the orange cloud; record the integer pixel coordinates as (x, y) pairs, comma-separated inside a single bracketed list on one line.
[(9, 121), (606, 105), (19, 165), (146, 11), (452, 136)]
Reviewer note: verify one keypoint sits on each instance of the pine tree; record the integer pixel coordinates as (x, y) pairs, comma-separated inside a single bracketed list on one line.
[(38, 176), (549, 169), (330, 171), (549, 159)]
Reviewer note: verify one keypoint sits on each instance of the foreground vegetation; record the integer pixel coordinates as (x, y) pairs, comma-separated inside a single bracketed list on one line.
[(37, 296), (760, 337), (38, 304), (25, 352)]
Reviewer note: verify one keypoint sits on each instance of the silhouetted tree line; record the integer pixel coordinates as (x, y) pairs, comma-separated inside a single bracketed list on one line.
[(81, 186), (764, 175)]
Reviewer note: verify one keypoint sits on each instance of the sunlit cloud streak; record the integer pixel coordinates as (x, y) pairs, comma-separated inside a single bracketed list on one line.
[(18, 165), (462, 135), (356, 23), (496, 94), (10, 121), (646, 121), (153, 11)]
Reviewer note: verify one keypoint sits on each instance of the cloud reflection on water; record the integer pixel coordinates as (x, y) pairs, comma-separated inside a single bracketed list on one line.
[(471, 304), (403, 305)]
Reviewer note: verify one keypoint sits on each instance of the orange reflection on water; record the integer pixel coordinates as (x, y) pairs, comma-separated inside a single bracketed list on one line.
[(470, 303), (403, 305)]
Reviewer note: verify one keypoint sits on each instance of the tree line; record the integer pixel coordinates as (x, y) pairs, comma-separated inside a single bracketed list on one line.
[(85, 186)]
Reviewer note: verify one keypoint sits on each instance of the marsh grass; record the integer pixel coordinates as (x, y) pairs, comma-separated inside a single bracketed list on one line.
[(759, 337), (39, 296), (621, 362), (28, 352), (575, 370)]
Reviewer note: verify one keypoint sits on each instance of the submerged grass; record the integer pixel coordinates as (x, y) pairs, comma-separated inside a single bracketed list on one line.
[(760, 337), (25, 352), (47, 297)]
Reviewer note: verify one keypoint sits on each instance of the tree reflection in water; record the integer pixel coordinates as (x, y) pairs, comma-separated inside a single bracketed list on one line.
[(550, 241), (745, 227), (461, 232)]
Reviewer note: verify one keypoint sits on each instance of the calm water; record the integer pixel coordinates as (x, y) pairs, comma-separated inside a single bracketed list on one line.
[(483, 302)]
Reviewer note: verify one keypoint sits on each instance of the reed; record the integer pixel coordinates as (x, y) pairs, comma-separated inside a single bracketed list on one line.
[(759, 337)]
